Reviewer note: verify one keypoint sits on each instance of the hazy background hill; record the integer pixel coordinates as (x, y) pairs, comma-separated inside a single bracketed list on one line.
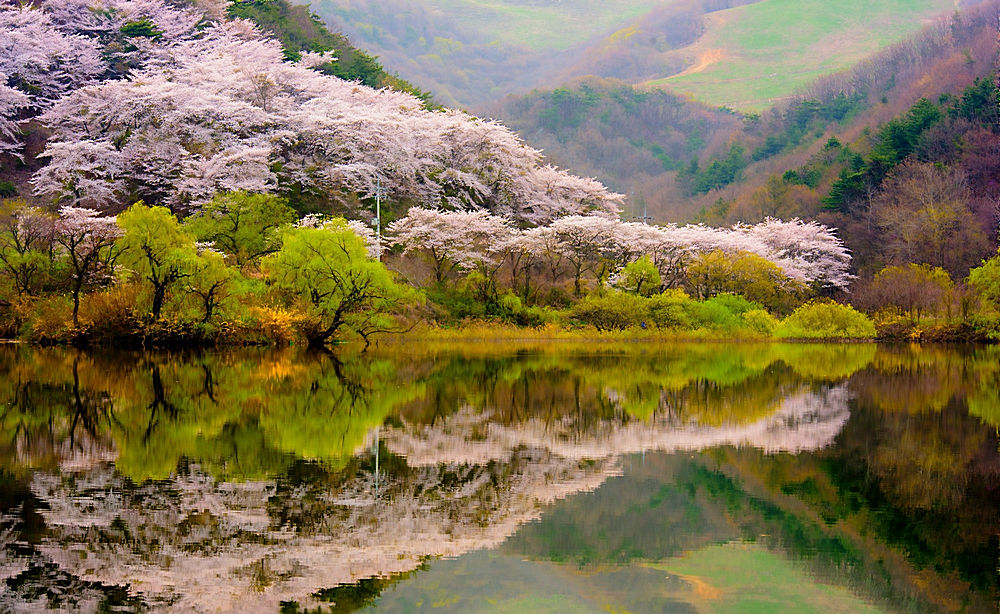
[(678, 156), (743, 53)]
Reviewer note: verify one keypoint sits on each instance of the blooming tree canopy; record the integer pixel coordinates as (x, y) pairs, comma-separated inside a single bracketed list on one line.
[(221, 110), (806, 252)]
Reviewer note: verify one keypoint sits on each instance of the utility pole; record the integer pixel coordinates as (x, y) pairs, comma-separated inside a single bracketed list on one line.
[(378, 220), (645, 214)]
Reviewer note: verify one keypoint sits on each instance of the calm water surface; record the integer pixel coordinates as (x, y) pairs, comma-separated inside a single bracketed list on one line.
[(549, 477)]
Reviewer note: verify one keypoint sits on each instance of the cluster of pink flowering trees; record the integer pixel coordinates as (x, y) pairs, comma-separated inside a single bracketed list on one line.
[(575, 247), (147, 101), (50, 50)]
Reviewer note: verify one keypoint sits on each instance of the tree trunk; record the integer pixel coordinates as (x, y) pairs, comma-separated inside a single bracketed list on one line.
[(159, 293)]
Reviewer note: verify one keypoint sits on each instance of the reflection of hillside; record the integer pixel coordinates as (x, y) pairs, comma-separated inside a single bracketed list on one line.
[(196, 543)]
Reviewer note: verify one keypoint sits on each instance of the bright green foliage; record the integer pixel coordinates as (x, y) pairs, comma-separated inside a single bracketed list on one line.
[(826, 320), (156, 249), (749, 275), (611, 310), (27, 264), (211, 281), (673, 309), (640, 277), (760, 322), (676, 310), (986, 280), (244, 226), (329, 272)]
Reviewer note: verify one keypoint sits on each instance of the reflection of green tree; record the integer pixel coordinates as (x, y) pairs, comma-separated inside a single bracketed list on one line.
[(329, 419), (984, 401), (239, 415), (827, 362)]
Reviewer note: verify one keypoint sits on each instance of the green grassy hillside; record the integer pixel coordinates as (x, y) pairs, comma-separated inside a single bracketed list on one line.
[(755, 55)]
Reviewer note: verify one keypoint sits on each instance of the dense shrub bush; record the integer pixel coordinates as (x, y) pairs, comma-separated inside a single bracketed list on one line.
[(611, 310), (673, 309), (825, 320), (760, 322)]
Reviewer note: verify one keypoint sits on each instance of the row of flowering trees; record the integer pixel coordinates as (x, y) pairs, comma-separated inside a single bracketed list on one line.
[(600, 247)]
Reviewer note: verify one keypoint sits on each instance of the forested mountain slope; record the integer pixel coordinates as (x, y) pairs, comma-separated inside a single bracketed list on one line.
[(680, 157)]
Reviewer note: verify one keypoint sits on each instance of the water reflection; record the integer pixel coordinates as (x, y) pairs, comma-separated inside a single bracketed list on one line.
[(242, 480)]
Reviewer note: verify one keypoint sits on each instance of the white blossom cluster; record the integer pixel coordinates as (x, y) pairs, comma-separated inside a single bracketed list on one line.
[(148, 101), (807, 252), (49, 51)]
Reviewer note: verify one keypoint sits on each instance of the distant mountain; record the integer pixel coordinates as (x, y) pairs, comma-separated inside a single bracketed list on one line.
[(679, 157)]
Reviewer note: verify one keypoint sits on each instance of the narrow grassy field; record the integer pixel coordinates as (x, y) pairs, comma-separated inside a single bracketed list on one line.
[(758, 54)]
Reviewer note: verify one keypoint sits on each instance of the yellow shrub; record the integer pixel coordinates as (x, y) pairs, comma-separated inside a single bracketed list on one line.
[(51, 320)]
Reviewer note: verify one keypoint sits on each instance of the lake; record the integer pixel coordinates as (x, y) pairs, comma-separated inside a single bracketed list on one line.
[(503, 477)]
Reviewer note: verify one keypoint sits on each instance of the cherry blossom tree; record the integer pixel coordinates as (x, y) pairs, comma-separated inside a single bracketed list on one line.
[(806, 251), (12, 103), (454, 240), (585, 242), (38, 64), (224, 111), (87, 239)]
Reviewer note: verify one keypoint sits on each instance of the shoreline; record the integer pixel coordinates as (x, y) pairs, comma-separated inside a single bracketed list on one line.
[(486, 332)]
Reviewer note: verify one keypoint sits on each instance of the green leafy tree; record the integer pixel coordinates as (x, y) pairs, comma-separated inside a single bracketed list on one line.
[(156, 249), (640, 277), (245, 226), (746, 274), (329, 271), (211, 281), (26, 247), (986, 280)]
